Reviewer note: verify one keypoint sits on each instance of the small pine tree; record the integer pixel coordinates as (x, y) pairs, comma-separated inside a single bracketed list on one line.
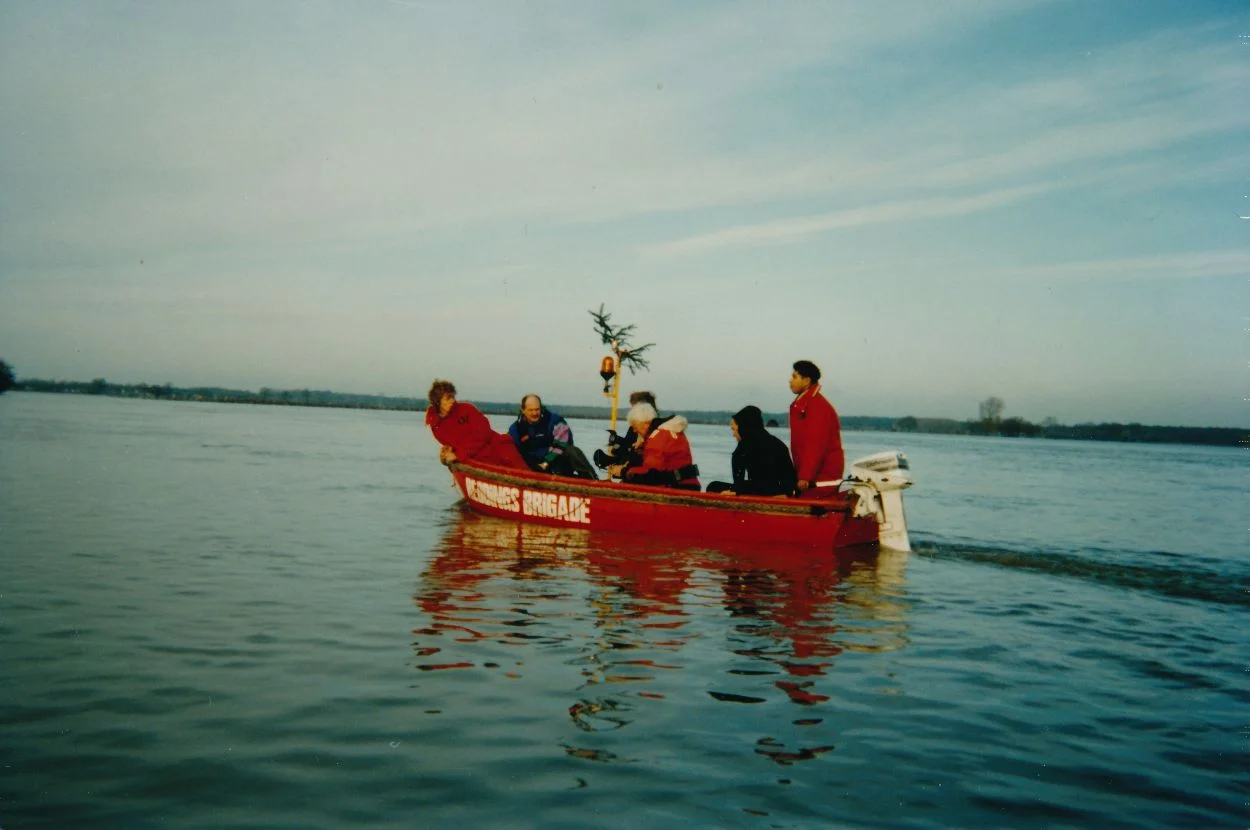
[(617, 339)]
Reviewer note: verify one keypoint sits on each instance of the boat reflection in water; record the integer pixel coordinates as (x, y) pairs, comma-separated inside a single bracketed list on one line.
[(631, 632)]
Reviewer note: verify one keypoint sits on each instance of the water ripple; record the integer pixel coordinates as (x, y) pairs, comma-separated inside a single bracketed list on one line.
[(286, 638)]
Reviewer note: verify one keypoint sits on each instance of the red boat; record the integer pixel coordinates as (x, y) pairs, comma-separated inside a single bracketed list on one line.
[(864, 508)]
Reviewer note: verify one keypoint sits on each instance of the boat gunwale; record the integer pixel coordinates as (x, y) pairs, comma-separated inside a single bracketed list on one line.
[(841, 502)]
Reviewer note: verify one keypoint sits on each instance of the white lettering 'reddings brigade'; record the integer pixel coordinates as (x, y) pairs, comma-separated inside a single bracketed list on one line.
[(571, 509)]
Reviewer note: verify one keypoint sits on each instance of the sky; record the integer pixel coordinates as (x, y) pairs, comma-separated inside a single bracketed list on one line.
[(936, 202)]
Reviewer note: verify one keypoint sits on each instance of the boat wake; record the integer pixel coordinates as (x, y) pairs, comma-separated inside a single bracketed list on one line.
[(1170, 574)]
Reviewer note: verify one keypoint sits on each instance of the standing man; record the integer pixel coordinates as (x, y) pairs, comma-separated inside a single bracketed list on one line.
[(815, 433)]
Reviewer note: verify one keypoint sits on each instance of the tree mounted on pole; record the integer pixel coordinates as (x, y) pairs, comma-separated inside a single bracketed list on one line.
[(616, 338)]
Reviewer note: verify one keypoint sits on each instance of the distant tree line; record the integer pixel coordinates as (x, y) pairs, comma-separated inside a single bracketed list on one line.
[(218, 394), (1020, 428), (989, 420), (7, 379)]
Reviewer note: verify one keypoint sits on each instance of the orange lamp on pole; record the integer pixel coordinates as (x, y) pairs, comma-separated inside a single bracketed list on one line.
[(610, 371)]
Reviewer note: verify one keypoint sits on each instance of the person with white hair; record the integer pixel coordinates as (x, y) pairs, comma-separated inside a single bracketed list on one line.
[(622, 450), (666, 458)]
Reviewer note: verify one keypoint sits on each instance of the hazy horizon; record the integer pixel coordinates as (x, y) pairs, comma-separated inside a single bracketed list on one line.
[(1039, 200), (568, 407)]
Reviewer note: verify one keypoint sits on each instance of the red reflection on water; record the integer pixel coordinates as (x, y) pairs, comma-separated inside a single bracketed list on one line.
[(509, 583), (598, 715), (601, 755), (798, 693), (774, 750), (653, 579), (650, 663), (796, 596)]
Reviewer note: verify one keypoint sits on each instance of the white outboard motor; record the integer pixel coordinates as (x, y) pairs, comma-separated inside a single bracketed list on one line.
[(879, 480)]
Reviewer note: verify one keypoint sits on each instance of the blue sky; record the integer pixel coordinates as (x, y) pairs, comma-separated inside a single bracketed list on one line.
[(935, 202)]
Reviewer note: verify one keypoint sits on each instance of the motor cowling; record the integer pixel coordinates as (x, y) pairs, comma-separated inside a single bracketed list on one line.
[(879, 480), (887, 470)]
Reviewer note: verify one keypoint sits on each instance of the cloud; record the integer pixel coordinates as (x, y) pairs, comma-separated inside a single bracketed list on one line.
[(388, 174), (1174, 266), (795, 230), (253, 126), (216, 130), (1108, 120)]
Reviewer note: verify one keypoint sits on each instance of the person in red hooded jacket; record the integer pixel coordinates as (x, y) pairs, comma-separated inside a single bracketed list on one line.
[(815, 432), (662, 456), (464, 432)]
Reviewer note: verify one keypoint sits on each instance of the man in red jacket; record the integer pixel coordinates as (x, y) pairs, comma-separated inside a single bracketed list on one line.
[(815, 433)]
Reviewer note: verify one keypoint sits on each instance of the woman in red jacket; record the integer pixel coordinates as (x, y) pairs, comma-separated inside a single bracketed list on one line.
[(464, 432), (665, 450)]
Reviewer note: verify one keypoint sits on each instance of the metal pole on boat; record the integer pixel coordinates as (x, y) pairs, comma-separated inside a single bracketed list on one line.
[(616, 390), (617, 338), (610, 370)]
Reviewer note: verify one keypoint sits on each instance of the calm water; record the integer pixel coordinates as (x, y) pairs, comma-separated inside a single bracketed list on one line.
[(233, 616)]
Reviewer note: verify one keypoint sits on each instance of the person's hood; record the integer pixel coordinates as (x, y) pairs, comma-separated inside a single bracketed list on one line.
[(676, 424), (750, 421)]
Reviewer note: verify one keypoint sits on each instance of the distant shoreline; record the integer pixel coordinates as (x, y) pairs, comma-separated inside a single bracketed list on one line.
[(1007, 428)]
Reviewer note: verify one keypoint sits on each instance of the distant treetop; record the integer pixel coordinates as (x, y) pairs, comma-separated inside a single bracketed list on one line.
[(7, 379)]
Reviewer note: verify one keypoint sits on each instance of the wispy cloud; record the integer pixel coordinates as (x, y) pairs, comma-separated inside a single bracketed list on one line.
[(387, 173), (461, 117), (1175, 266), (528, 113), (795, 230)]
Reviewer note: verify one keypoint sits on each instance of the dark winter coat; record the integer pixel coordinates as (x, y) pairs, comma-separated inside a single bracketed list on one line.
[(761, 463), (542, 442)]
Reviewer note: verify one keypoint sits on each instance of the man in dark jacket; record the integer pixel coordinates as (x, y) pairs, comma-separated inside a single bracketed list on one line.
[(761, 463), (545, 441)]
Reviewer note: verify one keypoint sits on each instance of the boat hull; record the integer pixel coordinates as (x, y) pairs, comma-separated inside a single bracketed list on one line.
[(663, 512)]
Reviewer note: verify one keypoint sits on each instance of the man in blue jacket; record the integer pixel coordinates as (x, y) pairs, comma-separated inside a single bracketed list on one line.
[(545, 440)]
